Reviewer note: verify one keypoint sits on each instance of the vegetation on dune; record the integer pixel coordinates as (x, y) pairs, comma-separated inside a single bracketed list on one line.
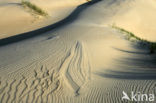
[(89, 0), (34, 8), (132, 36)]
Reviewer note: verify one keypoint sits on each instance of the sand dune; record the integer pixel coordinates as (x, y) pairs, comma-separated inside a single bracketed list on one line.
[(22, 20), (138, 17), (78, 58)]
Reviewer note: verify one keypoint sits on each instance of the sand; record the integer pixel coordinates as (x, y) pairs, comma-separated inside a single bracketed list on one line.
[(22, 20), (78, 59), (138, 17)]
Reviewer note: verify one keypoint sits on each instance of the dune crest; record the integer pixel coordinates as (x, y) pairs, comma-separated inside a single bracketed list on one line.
[(79, 58)]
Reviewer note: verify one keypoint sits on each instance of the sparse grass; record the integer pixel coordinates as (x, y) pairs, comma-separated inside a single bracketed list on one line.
[(89, 0), (34, 8), (131, 36)]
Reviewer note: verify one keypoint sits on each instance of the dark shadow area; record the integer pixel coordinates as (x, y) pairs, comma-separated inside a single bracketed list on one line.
[(74, 15), (92, 2), (135, 52), (146, 62), (139, 65), (128, 75), (50, 37), (7, 4)]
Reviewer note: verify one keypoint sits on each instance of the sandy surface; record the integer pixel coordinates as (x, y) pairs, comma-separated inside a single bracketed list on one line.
[(138, 17), (18, 20), (82, 60)]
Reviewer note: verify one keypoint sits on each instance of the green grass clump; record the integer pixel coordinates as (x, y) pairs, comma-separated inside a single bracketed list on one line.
[(130, 35), (34, 8), (89, 0)]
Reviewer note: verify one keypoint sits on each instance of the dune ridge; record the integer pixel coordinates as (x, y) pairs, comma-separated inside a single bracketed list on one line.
[(79, 59)]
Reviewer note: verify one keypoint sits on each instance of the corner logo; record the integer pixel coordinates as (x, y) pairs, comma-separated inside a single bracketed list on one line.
[(137, 96), (125, 96)]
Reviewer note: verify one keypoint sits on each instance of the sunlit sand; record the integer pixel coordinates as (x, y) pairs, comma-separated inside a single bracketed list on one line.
[(73, 55)]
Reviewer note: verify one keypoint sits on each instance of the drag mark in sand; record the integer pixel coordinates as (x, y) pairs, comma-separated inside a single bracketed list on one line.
[(75, 69)]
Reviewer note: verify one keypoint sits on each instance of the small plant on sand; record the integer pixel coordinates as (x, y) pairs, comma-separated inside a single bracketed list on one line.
[(131, 36), (89, 0), (33, 7)]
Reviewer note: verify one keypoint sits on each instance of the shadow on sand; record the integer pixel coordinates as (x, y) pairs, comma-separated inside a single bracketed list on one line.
[(40, 31), (138, 65), (127, 51), (8, 4)]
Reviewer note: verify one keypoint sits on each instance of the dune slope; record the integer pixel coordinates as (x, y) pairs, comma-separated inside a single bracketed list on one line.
[(82, 60)]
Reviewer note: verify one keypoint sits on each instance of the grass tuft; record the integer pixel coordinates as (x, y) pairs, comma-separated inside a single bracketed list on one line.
[(89, 0), (132, 36), (34, 8)]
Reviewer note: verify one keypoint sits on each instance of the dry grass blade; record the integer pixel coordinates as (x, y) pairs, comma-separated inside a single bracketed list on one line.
[(34, 8), (131, 35)]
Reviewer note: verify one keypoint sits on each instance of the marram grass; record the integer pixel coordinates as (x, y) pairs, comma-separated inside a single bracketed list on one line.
[(34, 8), (89, 0), (132, 36)]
